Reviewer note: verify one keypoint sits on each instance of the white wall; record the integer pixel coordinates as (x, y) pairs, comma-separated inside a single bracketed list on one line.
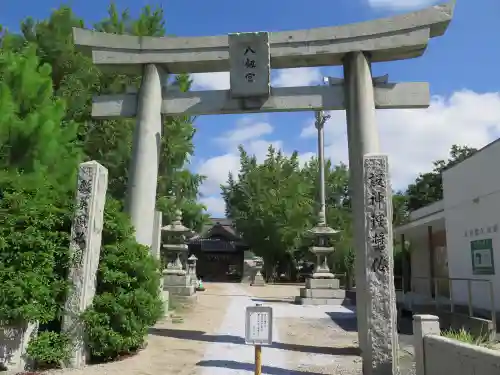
[(420, 269), (472, 202)]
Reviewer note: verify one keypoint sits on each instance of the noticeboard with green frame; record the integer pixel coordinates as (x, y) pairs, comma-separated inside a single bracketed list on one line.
[(482, 257)]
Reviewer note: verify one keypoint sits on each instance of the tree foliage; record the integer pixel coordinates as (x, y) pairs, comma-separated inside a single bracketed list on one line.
[(38, 159), (428, 187), (46, 129), (269, 203), (77, 80), (275, 202), (127, 300)]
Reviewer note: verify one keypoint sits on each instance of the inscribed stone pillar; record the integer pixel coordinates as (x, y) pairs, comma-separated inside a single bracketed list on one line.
[(362, 136), (381, 357), (85, 247), (143, 170)]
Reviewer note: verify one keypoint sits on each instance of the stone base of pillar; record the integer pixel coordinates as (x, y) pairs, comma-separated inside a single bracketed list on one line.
[(323, 275), (178, 285), (322, 291), (258, 280)]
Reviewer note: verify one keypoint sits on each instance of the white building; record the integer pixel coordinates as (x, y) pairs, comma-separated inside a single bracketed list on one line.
[(456, 241)]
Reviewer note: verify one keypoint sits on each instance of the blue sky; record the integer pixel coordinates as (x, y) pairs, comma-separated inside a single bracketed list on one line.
[(461, 67)]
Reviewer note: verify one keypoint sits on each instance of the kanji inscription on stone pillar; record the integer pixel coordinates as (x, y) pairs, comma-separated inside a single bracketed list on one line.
[(380, 294), (250, 67), (85, 248)]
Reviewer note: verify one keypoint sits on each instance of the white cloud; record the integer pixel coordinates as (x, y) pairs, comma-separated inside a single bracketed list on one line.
[(297, 77), (281, 78), (215, 205), (210, 81), (216, 169), (414, 138), (401, 4), (246, 130)]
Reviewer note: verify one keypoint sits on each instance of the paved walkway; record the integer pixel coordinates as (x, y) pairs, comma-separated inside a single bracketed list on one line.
[(228, 354)]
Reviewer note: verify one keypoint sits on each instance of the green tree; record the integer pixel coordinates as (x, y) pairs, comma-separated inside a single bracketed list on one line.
[(338, 213), (428, 187), (270, 205), (110, 141), (400, 214), (38, 159), (33, 135)]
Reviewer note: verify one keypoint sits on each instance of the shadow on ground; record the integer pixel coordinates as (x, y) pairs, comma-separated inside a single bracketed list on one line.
[(241, 366), (202, 336), (274, 300), (346, 321)]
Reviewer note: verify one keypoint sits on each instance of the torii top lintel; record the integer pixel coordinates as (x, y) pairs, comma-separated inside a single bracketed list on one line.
[(396, 38)]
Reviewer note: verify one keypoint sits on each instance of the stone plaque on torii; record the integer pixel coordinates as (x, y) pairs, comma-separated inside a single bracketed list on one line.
[(354, 46)]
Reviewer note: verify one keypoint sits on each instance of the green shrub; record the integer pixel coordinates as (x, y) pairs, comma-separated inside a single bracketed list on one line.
[(49, 349), (127, 300), (34, 247)]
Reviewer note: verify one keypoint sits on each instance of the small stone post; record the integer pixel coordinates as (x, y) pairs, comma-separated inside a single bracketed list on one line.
[(423, 325), (192, 269), (156, 245), (85, 249), (258, 279), (380, 357)]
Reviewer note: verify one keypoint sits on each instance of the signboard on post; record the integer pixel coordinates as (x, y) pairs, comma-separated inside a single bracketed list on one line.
[(259, 325), (249, 65)]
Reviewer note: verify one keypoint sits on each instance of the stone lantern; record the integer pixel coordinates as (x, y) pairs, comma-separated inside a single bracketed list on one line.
[(321, 235), (258, 279), (176, 278), (322, 288)]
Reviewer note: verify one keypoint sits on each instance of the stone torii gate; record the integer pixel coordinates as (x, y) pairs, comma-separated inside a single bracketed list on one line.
[(249, 58)]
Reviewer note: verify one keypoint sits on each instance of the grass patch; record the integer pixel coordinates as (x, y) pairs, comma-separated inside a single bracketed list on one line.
[(464, 336)]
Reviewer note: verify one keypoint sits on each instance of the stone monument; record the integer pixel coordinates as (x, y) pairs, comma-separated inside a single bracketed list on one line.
[(258, 279), (176, 279), (249, 58), (85, 247), (381, 295)]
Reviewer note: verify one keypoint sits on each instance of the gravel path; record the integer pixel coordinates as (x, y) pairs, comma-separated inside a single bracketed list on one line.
[(308, 340), (172, 348), (302, 339), (228, 354), (317, 339)]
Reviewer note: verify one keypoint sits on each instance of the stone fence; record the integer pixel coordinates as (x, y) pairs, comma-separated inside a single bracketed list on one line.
[(437, 355)]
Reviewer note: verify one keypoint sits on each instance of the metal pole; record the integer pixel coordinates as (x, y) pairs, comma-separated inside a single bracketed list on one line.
[(321, 118), (258, 360), (452, 305), (436, 293), (469, 299), (493, 310)]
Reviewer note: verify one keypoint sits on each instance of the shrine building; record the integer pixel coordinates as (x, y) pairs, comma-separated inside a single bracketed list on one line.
[(220, 252)]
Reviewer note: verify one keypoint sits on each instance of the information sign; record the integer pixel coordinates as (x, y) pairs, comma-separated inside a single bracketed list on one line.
[(259, 325)]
